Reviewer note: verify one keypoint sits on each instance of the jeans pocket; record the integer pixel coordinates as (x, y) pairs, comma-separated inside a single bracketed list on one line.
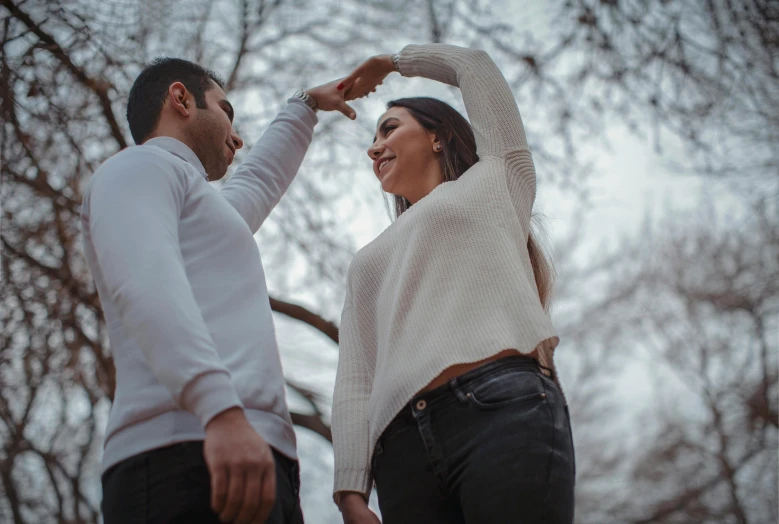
[(505, 388)]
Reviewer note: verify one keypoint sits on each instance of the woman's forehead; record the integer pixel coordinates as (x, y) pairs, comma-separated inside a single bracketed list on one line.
[(396, 112)]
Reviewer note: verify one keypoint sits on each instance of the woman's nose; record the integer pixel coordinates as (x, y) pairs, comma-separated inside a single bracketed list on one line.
[(374, 152)]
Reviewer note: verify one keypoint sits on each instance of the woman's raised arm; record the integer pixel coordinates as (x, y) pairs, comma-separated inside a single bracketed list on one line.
[(488, 98)]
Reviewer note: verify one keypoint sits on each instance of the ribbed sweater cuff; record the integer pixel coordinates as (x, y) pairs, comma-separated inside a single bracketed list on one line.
[(353, 480), (210, 394), (439, 62), (409, 61)]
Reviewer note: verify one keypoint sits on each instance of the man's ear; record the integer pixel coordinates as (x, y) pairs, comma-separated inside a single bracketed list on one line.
[(180, 99)]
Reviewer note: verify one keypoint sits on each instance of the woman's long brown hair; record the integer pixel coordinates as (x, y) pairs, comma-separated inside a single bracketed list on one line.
[(458, 155)]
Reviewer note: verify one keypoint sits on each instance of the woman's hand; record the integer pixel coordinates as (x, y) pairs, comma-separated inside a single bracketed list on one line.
[(356, 511), (363, 80), (367, 76), (329, 98)]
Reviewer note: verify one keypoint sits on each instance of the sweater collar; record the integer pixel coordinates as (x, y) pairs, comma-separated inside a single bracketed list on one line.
[(180, 149)]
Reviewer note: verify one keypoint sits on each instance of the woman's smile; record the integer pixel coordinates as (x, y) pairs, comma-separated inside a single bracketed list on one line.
[(384, 164)]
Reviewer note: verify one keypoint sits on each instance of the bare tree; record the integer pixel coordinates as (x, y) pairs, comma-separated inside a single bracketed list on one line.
[(706, 73), (693, 302), (66, 69), (697, 75), (708, 309), (703, 72), (696, 303)]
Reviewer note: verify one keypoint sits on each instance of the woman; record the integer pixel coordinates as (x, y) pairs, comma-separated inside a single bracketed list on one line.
[(446, 394)]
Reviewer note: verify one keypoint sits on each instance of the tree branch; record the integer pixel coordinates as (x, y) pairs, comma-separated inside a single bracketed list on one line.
[(302, 314), (98, 86)]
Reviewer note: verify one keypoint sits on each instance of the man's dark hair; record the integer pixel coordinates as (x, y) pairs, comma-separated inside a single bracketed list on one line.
[(150, 90)]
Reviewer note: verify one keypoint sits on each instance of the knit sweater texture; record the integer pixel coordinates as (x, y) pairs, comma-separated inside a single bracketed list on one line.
[(450, 281)]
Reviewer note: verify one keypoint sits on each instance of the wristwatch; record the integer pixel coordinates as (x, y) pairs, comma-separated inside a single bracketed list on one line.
[(305, 97)]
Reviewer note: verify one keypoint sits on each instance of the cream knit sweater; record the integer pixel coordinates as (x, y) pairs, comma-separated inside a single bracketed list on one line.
[(450, 281)]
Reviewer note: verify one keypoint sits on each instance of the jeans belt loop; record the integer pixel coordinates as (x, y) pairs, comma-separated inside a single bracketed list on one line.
[(550, 370), (455, 385)]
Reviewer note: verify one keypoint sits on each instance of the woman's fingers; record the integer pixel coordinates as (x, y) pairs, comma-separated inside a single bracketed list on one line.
[(354, 75), (360, 88), (345, 84), (359, 83), (367, 76)]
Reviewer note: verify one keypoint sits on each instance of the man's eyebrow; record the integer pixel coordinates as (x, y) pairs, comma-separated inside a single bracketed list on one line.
[(383, 125), (230, 112)]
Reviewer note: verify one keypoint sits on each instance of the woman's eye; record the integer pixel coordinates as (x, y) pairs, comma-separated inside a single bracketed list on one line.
[(388, 129)]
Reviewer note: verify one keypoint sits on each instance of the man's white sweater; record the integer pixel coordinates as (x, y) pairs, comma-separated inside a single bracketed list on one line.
[(183, 290)]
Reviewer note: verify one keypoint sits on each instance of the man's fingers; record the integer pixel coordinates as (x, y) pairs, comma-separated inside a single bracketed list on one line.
[(234, 495), (268, 496), (218, 489), (348, 111), (251, 498)]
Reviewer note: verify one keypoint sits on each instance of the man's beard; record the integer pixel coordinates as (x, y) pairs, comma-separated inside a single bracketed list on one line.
[(209, 145)]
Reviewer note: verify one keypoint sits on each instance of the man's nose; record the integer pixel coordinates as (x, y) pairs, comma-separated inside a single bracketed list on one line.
[(237, 140)]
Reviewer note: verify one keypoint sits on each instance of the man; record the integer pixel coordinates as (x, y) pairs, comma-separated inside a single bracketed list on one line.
[(199, 430)]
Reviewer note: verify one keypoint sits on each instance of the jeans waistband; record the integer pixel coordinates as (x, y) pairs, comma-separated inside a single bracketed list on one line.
[(192, 447), (517, 362), (448, 391)]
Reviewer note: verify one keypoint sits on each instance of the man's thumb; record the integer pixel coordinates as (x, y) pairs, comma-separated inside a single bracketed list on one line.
[(348, 111)]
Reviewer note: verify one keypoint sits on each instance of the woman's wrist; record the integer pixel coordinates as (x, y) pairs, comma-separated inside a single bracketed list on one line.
[(348, 499), (396, 61), (389, 63)]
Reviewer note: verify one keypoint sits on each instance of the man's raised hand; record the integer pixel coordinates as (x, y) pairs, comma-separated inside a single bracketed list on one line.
[(331, 97)]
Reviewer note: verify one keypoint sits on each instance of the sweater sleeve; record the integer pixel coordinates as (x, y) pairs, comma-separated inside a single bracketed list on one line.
[(264, 176), (492, 110), (351, 434), (132, 213)]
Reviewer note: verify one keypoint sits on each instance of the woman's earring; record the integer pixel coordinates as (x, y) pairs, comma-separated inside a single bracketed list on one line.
[(438, 147)]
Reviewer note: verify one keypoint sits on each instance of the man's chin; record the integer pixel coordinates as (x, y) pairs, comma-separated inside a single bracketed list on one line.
[(217, 173)]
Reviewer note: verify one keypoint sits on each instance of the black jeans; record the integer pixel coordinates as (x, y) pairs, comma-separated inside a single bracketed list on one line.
[(492, 446), (172, 485)]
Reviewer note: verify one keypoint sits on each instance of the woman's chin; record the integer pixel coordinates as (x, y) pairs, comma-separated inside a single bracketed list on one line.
[(386, 184)]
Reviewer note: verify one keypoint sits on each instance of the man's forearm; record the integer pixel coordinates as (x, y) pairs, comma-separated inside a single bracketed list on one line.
[(264, 176)]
